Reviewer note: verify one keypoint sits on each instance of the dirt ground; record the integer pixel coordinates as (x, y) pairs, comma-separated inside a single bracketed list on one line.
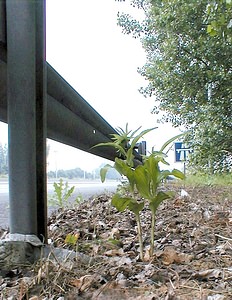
[(192, 257)]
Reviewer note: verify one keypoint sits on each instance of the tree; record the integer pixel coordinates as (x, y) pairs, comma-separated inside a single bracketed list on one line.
[(70, 174), (189, 74), (219, 13), (3, 159)]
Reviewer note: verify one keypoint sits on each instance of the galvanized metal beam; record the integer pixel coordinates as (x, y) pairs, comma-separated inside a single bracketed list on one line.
[(82, 128), (2, 21), (41, 119), (31, 90), (26, 103)]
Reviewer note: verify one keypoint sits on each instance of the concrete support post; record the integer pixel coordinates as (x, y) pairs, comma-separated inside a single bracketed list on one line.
[(26, 90)]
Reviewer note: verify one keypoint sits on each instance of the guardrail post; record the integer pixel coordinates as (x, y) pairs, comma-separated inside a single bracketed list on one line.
[(26, 96)]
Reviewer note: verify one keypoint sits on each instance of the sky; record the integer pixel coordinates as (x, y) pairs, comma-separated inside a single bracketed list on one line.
[(88, 49)]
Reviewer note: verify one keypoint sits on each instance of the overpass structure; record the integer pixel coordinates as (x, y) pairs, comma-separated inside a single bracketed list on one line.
[(37, 103)]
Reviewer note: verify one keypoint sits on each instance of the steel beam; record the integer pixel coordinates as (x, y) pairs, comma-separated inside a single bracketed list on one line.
[(2, 22), (82, 128), (31, 90), (26, 101), (41, 120)]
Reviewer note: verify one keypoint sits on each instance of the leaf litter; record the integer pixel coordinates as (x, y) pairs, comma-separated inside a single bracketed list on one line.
[(192, 257)]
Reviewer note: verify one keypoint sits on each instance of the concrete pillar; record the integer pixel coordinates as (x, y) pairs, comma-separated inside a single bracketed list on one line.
[(26, 96)]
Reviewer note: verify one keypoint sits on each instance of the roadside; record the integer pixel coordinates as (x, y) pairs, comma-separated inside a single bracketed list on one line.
[(192, 257), (83, 188)]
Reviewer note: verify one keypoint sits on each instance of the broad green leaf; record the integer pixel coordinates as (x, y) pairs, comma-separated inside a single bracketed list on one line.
[(177, 174), (152, 168), (142, 181), (163, 175), (135, 207), (131, 178), (160, 197), (120, 203), (104, 171), (121, 166), (130, 157)]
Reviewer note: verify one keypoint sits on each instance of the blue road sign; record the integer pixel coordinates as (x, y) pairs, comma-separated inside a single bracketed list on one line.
[(182, 152)]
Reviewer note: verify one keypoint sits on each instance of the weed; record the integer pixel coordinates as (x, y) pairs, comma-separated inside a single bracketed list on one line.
[(62, 194), (206, 179), (143, 179)]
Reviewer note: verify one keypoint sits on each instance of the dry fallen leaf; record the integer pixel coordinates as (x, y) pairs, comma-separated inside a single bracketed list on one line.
[(183, 258), (147, 256), (114, 252), (170, 256), (82, 283), (216, 297), (115, 233), (212, 273)]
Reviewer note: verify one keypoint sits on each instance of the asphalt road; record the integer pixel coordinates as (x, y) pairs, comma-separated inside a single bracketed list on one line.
[(85, 189)]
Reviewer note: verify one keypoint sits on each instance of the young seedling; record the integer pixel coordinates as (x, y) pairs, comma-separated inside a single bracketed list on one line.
[(125, 142), (144, 179), (148, 177), (62, 194)]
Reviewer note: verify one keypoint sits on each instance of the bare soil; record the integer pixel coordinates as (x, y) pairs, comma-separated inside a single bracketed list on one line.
[(192, 257)]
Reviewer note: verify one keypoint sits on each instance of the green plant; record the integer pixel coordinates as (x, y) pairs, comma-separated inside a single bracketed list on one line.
[(191, 84), (144, 179), (62, 194), (202, 179), (71, 239)]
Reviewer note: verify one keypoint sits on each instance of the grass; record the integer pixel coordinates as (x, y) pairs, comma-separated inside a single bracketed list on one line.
[(206, 179)]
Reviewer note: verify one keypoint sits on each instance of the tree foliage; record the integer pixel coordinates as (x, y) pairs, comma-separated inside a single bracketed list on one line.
[(219, 15), (189, 71), (78, 173), (3, 159), (70, 174)]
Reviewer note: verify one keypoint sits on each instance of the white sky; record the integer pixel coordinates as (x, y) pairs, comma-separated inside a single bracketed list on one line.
[(87, 48)]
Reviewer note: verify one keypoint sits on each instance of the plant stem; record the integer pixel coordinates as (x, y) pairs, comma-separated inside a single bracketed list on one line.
[(140, 235), (152, 232)]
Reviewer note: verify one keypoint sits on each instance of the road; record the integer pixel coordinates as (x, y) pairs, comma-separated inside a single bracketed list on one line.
[(85, 189)]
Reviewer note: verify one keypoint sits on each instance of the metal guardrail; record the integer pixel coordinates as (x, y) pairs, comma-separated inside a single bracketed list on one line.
[(37, 103), (70, 119)]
